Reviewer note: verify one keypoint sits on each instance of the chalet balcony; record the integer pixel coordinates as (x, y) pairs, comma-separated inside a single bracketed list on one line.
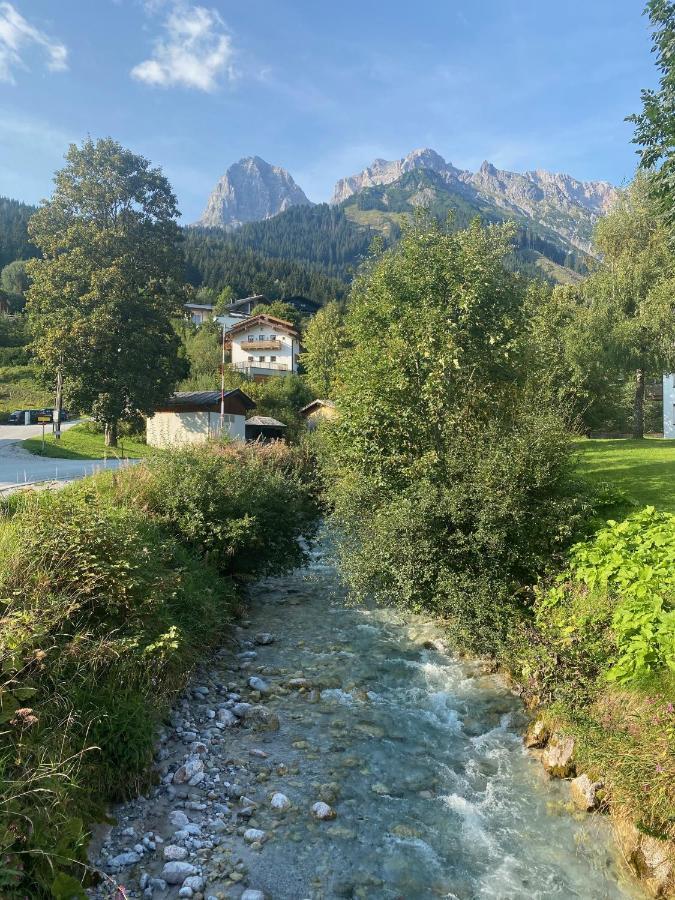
[(261, 345), (275, 366)]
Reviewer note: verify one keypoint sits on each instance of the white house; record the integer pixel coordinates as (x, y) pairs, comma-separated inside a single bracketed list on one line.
[(263, 346), (669, 406), (193, 417), (199, 312)]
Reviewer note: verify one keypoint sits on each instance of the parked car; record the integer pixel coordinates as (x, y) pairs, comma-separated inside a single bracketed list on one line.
[(30, 416)]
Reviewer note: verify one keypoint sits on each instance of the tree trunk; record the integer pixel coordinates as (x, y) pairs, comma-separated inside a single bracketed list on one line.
[(111, 434), (639, 405), (58, 406)]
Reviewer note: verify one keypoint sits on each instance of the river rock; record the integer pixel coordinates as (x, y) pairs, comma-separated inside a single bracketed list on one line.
[(191, 767), (297, 683), (250, 894), (262, 718), (258, 684), (226, 717), (176, 872), (128, 858), (584, 792), (172, 851), (323, 811), (537, 735), (178, 818), (280, 801), (558, 758), (264, 637), (254, 836)]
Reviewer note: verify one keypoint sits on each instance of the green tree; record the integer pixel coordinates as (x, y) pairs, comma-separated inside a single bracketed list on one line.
[(448, 483), (630, 296), (655, 125), (323, 341), (280, 310), (108, 284), (282, 398), (14, 278)]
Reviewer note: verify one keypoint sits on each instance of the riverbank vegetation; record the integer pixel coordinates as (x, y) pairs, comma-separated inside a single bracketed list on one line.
[(456, 489), (114, 588)]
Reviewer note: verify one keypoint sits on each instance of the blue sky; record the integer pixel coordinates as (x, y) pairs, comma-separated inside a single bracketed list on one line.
[(320, 88)]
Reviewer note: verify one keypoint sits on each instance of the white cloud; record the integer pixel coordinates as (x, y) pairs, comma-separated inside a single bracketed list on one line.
[(193, 52), (16, 34)]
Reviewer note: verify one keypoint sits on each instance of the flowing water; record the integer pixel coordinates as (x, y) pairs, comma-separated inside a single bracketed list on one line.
[(435, 794)]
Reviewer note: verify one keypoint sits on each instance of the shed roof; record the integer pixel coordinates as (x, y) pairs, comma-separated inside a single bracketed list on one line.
[(316, 404), (208, 306), (265, 420), (207, 398)]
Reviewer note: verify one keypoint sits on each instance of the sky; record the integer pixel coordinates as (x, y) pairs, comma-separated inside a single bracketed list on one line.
[(320, 88)]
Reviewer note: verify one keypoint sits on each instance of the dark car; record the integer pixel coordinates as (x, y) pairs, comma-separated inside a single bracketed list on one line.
[(18, 417)]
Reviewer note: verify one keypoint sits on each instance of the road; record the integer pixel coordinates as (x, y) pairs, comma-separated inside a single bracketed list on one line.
[(18, 467)]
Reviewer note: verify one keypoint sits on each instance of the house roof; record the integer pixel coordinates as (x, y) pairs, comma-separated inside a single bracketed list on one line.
[(263, 319), (258, 298), (265, 420), (208, 306), (207, 398), (316, 404)]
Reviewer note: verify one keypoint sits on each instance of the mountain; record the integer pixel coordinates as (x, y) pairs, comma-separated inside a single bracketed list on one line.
[(567, 207), (251, 190)]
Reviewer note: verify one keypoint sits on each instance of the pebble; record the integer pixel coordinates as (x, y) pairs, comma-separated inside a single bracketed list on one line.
[(323, 811), (192, 767), (178, 818), (259, 684), (280, 801), (172, 851), (254, 836), (264, 637), (252, 895), (128, 858)]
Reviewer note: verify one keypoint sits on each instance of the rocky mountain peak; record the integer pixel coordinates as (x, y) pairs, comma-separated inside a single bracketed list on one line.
[(251, 190), (382, 171)]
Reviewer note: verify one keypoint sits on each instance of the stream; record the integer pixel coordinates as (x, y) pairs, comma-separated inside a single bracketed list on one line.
[(416, 754)]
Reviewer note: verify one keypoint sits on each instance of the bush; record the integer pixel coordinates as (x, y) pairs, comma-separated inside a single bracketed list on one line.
[(114, 592)]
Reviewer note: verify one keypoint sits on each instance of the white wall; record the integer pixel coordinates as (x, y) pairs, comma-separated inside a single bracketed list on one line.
[(166, 429), (284, 356), (669, 406)]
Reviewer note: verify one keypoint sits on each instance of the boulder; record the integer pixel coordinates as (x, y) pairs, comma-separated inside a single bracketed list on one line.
[(191, 767), (537, 735), (264, 638), (254, 836), (279, 801), (655, 862), (584, 792), (558, 757)]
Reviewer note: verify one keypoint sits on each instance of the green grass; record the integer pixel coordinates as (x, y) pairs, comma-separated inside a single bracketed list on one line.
[(20, 389), (82, 442), (643, 470)]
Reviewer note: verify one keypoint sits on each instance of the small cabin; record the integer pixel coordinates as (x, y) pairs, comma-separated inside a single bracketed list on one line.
[(194, 417)]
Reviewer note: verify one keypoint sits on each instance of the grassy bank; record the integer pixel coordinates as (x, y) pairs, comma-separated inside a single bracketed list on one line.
[(643, 470), (115, 588), (85, 441)]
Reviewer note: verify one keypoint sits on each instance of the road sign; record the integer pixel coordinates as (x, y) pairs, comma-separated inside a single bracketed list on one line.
[(45, 418)]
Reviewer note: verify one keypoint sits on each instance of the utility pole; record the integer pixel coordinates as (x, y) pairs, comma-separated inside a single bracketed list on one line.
[(59, 404), (222, 385)]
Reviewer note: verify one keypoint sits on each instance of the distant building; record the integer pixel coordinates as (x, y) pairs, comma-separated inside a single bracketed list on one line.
[(199, 312), (263, 346), (304, 305), (264, 429), (318, 411), (247, 304), (669, 406), (193, 417)]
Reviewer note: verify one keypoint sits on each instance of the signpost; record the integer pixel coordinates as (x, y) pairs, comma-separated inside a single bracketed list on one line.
[(44, 418)]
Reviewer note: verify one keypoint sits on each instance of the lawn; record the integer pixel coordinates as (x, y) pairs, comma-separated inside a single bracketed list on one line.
[(20, 389), (82, 442), (643, 470)]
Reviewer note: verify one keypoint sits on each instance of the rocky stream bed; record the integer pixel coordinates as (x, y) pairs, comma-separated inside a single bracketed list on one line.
[(333, 751)]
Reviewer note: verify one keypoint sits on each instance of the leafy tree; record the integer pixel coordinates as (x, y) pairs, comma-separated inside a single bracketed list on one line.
[(282, 398), (281, 310), (655, 125), (14, 278), (108, 284), (630, 296), (323, 341), (450, 487), (225, 297)]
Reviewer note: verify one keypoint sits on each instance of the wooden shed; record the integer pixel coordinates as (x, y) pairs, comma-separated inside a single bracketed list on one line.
[(193, 417), (317, 411), (264, 429)]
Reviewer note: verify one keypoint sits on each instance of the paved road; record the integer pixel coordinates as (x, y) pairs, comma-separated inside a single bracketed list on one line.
[(18, 467)]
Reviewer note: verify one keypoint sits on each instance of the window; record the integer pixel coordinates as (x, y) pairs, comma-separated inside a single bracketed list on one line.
[(273, 359), (261, 359), (261, 337), (251, 337), (250, 359)]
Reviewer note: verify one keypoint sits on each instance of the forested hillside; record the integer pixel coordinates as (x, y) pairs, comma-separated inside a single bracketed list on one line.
[(14, 243)]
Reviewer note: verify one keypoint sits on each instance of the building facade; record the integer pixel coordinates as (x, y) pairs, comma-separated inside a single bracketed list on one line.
[(264, 346), (193, 417), (669, 406)]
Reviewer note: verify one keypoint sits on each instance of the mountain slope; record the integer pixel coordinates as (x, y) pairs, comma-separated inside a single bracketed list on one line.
[(565, 206), (251, 190)]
